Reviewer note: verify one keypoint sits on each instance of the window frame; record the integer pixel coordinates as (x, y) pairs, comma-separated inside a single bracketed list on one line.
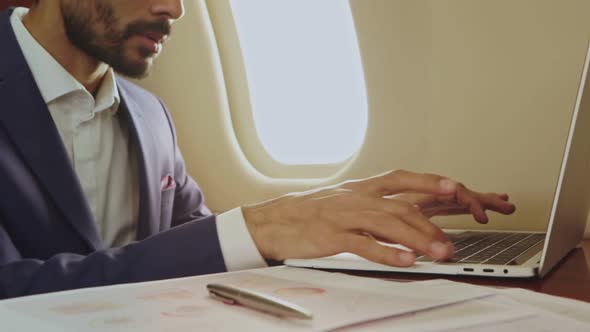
[(240, 106)]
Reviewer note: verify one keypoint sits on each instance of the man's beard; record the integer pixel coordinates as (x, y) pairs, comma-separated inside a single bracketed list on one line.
[(110, 46)]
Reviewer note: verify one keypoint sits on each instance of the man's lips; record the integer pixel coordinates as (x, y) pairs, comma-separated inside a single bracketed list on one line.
[(152, 41), (156, 37)]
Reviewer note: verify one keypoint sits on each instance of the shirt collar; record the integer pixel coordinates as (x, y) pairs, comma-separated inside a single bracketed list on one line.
[(108, 94), (53, 80)]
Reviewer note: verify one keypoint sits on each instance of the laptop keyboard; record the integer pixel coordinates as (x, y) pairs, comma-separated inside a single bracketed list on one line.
[(490, 248)]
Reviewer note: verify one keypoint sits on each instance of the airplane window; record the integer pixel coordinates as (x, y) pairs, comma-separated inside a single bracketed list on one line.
[(305, 77)]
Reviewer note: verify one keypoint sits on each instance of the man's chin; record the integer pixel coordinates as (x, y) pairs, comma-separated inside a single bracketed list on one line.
[(134, 69)]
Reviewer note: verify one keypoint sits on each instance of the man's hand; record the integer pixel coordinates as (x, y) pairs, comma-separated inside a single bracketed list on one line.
[(393, 207), (464, 201)]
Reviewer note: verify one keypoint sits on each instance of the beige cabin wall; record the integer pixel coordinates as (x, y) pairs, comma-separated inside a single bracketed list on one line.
[(478, 90)]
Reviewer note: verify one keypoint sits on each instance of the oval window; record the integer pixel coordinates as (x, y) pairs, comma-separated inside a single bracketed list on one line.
[(305, 76)]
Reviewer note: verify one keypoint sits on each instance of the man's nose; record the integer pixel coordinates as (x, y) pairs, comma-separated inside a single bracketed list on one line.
[(172, 9)]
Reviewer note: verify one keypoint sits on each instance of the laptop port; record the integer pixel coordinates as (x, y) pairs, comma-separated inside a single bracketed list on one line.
[(468, 269), (488, 270)]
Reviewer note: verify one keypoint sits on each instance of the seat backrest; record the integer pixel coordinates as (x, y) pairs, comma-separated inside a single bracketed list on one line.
[(14, 3)]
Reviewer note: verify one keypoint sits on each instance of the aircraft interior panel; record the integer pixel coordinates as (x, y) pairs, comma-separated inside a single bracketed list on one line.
[(478, 90)]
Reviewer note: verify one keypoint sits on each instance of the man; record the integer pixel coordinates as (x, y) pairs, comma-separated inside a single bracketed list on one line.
[(94, 190)]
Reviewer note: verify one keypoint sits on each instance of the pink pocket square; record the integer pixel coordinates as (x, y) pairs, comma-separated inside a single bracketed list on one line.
[(167, 182)]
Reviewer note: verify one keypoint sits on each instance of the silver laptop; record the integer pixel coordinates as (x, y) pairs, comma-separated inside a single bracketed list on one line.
[(512, 254)]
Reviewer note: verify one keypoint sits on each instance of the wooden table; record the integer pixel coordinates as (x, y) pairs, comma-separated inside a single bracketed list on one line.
[(571, 278)]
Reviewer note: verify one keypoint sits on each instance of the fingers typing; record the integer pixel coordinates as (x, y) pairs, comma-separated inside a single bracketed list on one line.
[(400, 181), (370, 249)]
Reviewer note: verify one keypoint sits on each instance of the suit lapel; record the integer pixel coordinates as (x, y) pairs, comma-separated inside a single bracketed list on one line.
[(144, 143), (26, 118)]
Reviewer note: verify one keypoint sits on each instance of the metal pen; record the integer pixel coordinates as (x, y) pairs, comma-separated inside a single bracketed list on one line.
[(258, 301)]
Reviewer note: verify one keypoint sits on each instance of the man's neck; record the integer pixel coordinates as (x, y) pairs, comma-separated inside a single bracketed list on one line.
[(46, 26)]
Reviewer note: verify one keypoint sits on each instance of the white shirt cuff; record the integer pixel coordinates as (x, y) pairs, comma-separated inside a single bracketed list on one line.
[(237, 246)]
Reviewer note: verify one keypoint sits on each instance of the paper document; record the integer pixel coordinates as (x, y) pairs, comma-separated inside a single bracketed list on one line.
[(510, 309), (184, 304), (567, 307), (574, 309), (546, 322), (488, 310)]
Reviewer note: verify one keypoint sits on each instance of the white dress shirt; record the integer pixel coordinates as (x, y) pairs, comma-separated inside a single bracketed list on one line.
[(97, 142)]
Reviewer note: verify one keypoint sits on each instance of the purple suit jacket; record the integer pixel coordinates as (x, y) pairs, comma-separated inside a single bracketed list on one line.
[(48, 236)]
